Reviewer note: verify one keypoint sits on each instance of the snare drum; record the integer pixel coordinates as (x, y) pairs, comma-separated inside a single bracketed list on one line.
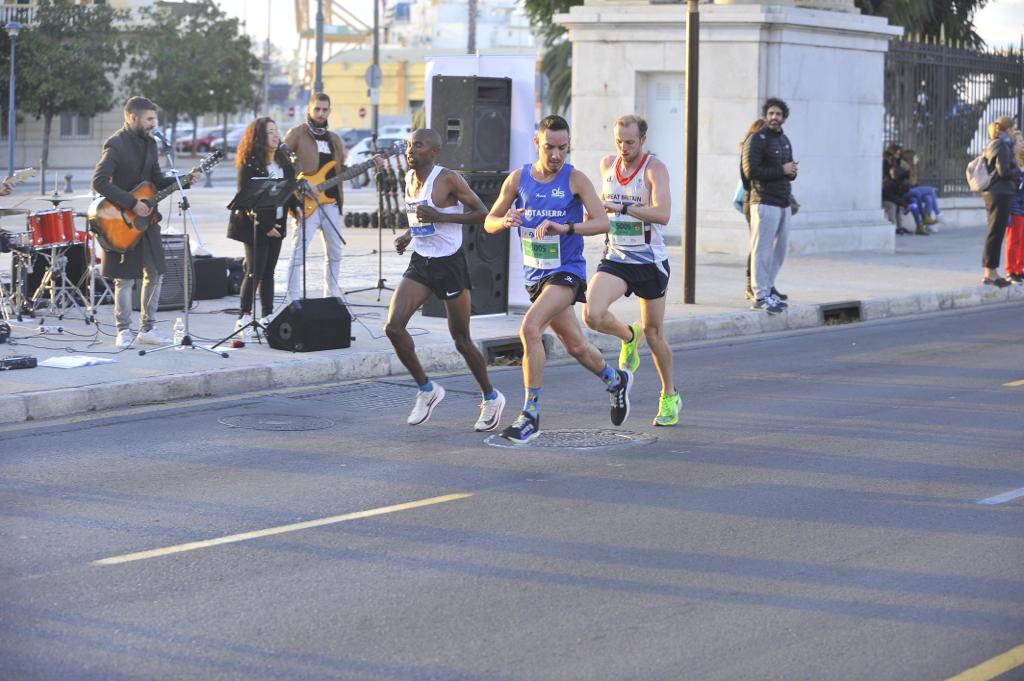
[(55, 227)]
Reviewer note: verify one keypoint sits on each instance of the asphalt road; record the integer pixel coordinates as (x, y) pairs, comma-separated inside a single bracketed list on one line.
[(816, 516)]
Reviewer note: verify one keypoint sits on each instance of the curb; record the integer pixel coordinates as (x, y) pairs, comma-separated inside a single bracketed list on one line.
[(63, 402)]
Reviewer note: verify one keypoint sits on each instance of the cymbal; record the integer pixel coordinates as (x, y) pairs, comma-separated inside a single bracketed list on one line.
[(13, 211), (60, 199)]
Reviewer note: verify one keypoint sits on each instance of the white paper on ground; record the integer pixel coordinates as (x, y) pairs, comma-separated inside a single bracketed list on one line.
[(73, 362)]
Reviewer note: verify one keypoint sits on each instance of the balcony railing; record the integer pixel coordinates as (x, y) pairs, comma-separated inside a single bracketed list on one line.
[(24, 15)]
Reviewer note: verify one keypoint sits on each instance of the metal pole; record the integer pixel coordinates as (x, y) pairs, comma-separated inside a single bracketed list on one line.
[(690, 189), (266, 67), (375, 96), (471, 6), (12, 28), (318, 80)]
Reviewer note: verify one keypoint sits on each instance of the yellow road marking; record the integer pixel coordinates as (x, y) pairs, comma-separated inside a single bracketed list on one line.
[(281, 529), (990, 669), (1014, 384)]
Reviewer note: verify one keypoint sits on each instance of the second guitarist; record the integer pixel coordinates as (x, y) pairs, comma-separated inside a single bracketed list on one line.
[(129, 157), (316, 146)]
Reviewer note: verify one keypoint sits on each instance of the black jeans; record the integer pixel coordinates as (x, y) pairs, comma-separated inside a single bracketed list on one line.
[(998, 207), (259, 271)]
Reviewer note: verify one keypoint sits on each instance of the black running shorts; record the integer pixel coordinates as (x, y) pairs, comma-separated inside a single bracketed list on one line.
[(447, 276), (569, 279), (645, 280)]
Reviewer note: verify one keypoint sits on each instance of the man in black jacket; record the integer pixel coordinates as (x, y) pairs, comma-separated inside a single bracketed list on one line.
[(130, 157), (769, 168)]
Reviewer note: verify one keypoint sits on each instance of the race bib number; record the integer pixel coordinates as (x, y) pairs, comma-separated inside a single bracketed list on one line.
[(417, 228), (541, 254), (626, 231)]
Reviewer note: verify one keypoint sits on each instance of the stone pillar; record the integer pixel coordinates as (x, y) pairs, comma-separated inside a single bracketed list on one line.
[(827, 65)]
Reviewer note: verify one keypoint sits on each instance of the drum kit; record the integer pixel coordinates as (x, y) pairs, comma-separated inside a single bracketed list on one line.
[(50, 241)]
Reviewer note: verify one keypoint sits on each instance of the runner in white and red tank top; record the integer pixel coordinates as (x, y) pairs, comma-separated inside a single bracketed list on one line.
[(635, 192)]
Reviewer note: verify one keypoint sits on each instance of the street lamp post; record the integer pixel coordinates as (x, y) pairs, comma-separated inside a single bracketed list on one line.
[(12, 28)]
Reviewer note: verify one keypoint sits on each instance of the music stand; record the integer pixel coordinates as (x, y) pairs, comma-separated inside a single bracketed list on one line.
[(260, 193)]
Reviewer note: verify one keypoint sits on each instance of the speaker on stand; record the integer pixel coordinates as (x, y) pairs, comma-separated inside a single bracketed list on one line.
[(473, 115)]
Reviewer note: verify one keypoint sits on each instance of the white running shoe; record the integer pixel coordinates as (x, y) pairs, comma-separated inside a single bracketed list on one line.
[(153, 337), (243, 322), (124, 339), (490, 413), (426, 400)]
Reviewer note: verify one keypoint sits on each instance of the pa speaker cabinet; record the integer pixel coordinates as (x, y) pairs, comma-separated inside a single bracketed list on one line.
[(473, 116), (311, 324), (172, 291), (211, 278)]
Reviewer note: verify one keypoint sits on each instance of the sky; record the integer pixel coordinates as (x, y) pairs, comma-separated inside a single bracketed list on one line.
[(1000, 22)]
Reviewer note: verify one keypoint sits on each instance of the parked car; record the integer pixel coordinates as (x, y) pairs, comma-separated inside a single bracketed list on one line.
[(203, 141), (362, 152), (234, 137), (350, 136)]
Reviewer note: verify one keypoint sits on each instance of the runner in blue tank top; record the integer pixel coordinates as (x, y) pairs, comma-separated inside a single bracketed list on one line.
[(545, 202)]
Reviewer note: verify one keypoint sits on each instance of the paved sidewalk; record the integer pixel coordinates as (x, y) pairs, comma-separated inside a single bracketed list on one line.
[(924, 275)]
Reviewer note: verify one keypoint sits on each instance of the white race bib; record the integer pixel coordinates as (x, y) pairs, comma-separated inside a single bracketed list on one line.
[(626, 230), (541, 254), (417, 228)]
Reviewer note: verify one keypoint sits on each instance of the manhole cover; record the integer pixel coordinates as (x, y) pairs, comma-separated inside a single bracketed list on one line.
[(276, 422), (578, 438)]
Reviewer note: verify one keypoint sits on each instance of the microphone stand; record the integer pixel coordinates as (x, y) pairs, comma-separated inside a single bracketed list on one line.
[(380, 285), (185, 210)]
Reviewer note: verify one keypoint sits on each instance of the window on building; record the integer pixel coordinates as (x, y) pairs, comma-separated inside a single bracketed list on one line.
[(74, 125)]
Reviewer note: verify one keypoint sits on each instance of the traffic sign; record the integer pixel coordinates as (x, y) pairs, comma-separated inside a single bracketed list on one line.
[(373, 76), (362, 112)]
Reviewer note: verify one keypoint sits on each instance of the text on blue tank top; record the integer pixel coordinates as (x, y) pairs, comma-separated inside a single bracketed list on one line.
[(553, 201)]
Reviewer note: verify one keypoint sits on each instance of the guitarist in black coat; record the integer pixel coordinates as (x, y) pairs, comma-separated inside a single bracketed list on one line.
[(129, 157)]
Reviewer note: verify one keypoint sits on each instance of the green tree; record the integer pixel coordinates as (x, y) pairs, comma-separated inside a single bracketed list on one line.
[(195, 59), (65, 60), (556, 64), (953, 19)]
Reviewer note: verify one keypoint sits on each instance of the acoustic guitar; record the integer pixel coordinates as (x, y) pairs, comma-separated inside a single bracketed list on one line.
[(118, 229), (319, 184)]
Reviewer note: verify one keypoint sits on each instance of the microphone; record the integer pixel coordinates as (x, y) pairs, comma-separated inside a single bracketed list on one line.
[(160, 136), (292, 156)]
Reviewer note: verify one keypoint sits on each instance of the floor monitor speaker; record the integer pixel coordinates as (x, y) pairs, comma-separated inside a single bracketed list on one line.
[(311, 324)]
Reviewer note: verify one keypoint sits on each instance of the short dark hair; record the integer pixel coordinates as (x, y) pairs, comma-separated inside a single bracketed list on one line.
[(553, 122), (136, 105), (319, 97), (775, 101)]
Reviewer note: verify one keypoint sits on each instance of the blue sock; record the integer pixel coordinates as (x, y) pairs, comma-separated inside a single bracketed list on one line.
[(532, 398), (427, 387), (493, 395), (610, 376)]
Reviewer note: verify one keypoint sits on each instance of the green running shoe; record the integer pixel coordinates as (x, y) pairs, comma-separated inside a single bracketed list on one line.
[(668, 410), (629, 355)]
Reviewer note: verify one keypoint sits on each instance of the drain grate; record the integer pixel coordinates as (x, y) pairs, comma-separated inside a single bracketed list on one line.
[(578, 438), (276, 422)]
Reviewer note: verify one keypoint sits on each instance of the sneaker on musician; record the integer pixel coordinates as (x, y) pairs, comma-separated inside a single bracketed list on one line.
[(243, 323), (124, 339), (490, 413), (153, 337), (426, 400)]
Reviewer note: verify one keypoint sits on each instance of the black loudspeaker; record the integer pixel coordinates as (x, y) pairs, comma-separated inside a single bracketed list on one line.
[(473, 116), (486, 255), (173, 289), (311, 324), (211, 278)]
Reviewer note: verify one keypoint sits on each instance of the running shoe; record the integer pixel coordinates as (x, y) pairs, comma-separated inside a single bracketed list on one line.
[(620, 397), (629, 355), (124, 339), (490, 413), (426, 400), (152, 337), (523, 430), (668, 410)]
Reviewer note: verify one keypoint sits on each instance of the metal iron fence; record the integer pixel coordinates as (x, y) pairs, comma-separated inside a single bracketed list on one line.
[(939, 100)]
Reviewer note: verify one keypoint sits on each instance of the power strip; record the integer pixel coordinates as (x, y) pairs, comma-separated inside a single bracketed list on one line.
[(17, 362)]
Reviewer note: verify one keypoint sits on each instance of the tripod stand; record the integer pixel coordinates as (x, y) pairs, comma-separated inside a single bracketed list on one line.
[(261, 193), (184, 208), (380, 178)]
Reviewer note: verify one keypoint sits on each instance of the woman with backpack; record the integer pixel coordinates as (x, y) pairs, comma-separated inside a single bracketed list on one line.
[(1006, 175)]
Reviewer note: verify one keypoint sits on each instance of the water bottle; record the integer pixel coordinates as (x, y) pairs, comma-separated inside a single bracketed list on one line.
[(179, 331)]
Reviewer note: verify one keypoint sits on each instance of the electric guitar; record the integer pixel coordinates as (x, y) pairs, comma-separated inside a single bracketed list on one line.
[(19, 176), (119, 229), (319, 183)]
